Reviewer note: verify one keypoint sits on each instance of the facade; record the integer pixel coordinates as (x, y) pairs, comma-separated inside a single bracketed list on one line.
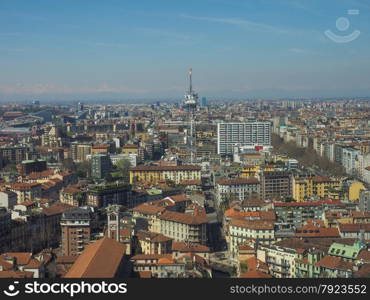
[(102, 196), (29, 166), (26, 191), (239, 188), (5, 228), (243, 231), (101, 259), (155, 174), (154, 243), (15, 154), (100, 166), (276, 185), (245, 134), (183, 227), (364, 201), (79, 152), (296, 213), (349, 158), (8, 199), (76, 231), (320, 186)]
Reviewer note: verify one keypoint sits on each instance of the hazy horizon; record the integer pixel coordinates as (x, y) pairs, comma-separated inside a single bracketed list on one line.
[(115, 50)]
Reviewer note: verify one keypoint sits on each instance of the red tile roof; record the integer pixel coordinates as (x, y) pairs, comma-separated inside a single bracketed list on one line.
[(101, 259), (183, 218)]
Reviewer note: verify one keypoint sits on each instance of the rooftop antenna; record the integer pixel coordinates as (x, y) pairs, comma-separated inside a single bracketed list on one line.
[(190, 80)]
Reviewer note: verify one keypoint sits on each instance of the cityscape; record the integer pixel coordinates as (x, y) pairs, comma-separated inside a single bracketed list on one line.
[(189, 185)]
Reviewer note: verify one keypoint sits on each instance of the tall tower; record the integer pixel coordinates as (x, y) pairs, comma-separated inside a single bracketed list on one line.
[(190, 103), (114, 216)]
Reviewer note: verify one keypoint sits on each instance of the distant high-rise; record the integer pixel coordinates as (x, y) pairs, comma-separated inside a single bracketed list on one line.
[(203, 102), (100, 165), (244, 134), (80, 106)]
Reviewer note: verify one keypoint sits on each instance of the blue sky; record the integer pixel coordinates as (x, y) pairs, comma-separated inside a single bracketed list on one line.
[(116, 49)]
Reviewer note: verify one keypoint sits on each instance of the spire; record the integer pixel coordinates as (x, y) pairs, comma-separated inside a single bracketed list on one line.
[(190, 81)]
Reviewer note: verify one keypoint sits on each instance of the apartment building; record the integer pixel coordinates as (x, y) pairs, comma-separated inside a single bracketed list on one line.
[(105, 195), (246, 134), (239, 188), (242, 231), (155, 174), (276, 185), (76, 230), (191, 227), (26, 191)]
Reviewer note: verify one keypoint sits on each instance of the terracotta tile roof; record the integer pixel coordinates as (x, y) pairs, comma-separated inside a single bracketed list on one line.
[(320, 179), (360, 214), (56, 209), (255, 224), (255, 264), (66, 259), (146, 208), (71, 190), (364, 255), (354, 227), (183, 218), (101, 259), (235, 213), (178, 198), (192, 247), (25, 186), (165, 261), (245, 247), (151, 256), (255, 274), (145, 274), (313, 231), (152, 236), (334, 263), (22, 258), (37, 175), (16, 274)]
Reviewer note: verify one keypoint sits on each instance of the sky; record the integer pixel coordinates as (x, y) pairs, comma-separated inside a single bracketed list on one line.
[(120, 49)]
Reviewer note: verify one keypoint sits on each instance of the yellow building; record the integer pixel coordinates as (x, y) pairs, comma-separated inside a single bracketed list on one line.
[(354, 190), (323, 187), (249, 171), (155, 174), (143, 136)]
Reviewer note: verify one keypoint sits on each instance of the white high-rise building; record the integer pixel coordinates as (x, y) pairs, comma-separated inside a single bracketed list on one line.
[(245, 134)]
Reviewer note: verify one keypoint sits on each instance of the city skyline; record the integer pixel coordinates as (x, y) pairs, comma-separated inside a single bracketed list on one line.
[(119, 50)]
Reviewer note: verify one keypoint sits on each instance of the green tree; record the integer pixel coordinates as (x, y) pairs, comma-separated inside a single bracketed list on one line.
[(124, 165), (83, 169)]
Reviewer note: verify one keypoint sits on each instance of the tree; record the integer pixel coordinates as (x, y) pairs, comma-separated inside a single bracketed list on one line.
[(124, 166), (83, 169), (68, 164)]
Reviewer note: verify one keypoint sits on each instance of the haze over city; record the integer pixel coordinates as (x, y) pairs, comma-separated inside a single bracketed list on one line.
[(122, 50)]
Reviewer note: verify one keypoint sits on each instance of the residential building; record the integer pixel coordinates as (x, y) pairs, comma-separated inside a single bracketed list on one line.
[(155, 174), (246, 134), (76, 227)]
